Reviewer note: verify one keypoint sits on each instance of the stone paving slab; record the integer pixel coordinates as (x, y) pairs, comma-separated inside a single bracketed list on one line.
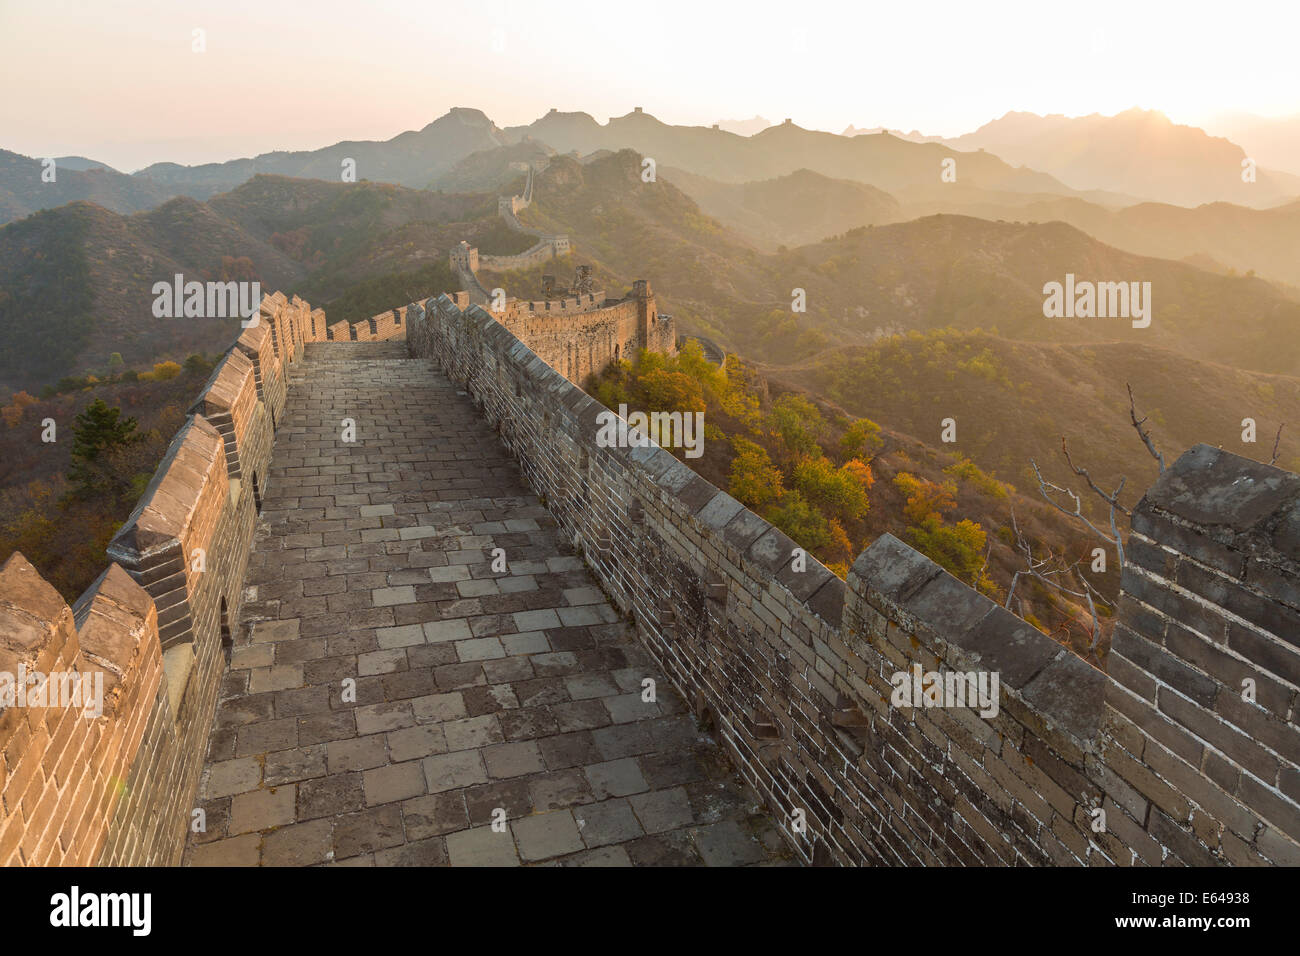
[(494, 717)]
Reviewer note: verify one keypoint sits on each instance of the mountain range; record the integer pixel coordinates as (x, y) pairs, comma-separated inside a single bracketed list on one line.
[(892, 274), (1113, 161)]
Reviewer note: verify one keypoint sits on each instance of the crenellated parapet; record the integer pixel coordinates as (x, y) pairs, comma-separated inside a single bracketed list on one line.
[(153, 633), (65, 761), (268, 375), (581, 335)]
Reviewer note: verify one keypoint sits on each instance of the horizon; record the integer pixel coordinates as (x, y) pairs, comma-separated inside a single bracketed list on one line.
[(1209, 129), (351, 77)]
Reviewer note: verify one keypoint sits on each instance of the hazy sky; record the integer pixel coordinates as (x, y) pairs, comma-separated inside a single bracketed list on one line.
[(121, 83)]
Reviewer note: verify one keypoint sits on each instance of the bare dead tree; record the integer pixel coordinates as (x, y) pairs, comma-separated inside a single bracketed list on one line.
[(1052, 493), (1068, 578), (1144, 435), (1054, 573), (1276, 442)]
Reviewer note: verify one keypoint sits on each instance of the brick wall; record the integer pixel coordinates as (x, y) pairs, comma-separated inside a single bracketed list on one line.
[(592, 333), (795, 667), (1212, 607), (118, 789), (61, 766), (547, 248), (272, 388), (385, 326), (543, 308)]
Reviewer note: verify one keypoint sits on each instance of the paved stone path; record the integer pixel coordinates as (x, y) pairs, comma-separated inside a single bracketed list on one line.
[(476, 691)]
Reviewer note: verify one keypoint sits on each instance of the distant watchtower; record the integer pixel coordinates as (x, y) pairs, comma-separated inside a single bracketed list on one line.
[(645, 309), (464, 257)]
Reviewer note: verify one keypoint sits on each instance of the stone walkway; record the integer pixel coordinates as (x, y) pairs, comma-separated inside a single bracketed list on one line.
[(514, 695)]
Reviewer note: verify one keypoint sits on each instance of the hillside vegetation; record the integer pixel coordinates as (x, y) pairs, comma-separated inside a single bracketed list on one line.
[(835, 482), (1013, 401), (48, 509)]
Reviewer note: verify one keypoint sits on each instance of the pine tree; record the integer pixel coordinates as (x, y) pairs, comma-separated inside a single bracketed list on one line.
[(98, 432)]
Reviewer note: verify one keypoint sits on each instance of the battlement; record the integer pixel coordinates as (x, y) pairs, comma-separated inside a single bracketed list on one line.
[(1171, 759), (581, 335), (545, 249), (156, 629)]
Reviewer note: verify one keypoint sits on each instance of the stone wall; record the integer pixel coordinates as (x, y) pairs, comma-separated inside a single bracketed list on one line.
[(118, 788), (60, 769), (545, 249), (465, 258), (380, 328), (565, 305), (587, 337), (1160, 764)]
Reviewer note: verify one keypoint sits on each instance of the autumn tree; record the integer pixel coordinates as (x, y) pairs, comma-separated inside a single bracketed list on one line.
[(797, 426), (925, 499), (162, 371), (861, 439), (754, 481), (13, 412), (804, 524), (958, 548), (840, 491), (670, 391)]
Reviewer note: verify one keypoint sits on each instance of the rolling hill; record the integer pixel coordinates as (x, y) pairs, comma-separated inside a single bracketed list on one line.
[(971, 273), (1273, 141), (22, 191), (1014, 400), (805, 207), (1263, 241), (795, 209), (493, 170), (76, 282), (883, 161), (923, 274)]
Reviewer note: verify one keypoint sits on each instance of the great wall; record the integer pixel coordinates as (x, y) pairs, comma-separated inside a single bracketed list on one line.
[(466, 261), (271, 560), (577, 334)]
